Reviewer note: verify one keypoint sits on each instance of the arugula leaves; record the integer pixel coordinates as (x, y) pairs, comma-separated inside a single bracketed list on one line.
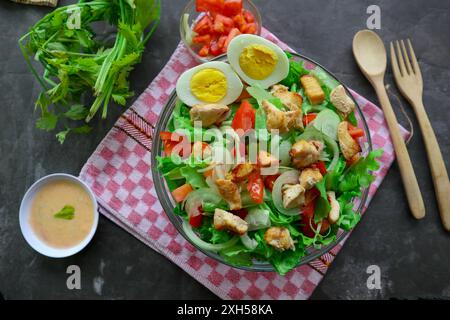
[(76, 64)]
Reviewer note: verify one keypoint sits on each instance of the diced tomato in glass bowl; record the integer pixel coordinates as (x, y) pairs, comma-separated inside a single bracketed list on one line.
[(208, 26)]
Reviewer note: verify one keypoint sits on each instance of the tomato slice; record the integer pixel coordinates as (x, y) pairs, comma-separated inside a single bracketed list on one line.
[(244, 118), (209, 5), (180, 193), (241, 213), (307, 220), (255, 187), (249, 17), (196, 222), (270, 180), (214, 48), (355, 132), (233, 33), (221, 43), (232, 7), (249, 28), (321, 166), (308, 118), (204, 39), (204, 26), (239, 21), (204, 51), (222, 24)]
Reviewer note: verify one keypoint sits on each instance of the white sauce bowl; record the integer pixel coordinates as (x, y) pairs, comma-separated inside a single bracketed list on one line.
[(27, 230)]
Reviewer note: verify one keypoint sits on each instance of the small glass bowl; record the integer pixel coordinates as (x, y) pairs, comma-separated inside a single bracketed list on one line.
[(194, 16), (168, 203)]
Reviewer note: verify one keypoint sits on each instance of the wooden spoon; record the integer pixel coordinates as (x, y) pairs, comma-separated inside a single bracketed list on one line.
[(370, 54)]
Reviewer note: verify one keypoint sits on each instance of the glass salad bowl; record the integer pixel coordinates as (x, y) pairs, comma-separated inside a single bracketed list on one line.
[(189, 16), (168, 203)]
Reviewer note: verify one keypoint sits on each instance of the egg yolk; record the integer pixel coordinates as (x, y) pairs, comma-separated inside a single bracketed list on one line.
[(258, 61), (209, 85)]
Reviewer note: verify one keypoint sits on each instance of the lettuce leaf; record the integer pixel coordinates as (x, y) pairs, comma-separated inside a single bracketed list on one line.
[(195, 179), (359, 175), (322, 204), (285, 261), (296, 70)]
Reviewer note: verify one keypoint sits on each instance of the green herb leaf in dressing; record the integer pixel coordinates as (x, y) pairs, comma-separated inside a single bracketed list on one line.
[(68, 213)]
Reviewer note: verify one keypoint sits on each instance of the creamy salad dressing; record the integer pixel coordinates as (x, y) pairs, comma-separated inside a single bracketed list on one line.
[(50, 199)]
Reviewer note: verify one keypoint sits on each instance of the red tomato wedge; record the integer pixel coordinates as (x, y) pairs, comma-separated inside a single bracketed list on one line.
[(241, 213), (204, 39), (233, 33), (180, 193), (204, 26), (270, 180), (308, 118), (204, 51), (321, 166), (232, 7), (255, 187), (222, 24), (196, 222), (244, 118), (249, 17), (307, 221), (355, 132), (209, 5), (214, 48)]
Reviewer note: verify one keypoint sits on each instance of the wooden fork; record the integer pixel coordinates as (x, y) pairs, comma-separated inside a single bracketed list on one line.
[(409, 81)]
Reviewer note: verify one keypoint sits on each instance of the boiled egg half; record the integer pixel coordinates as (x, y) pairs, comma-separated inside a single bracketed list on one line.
[(210, 82), (257, 60)]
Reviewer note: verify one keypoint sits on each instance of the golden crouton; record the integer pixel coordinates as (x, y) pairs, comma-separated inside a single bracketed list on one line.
[(312, 88), (279, 238), (348, 145), (265, 159), (304, 153), (309, 177), (224, 220), (230, 192)]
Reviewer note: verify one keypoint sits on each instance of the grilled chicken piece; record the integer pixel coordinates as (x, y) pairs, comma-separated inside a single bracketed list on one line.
[(304, 153), (265, 159), (242, 171), (312, 88), (281, 120), (279, 238), (293, 195), (333, 215), (224, 220), (230, 192), (342, 101), (309, 177), (209, 114), (292, 100), (348, 145)]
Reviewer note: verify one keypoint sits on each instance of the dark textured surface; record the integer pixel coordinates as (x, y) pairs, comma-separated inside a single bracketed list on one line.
[(414, 257)]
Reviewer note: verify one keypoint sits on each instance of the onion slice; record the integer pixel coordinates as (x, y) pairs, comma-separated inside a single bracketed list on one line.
[(195, 239), (289, 177), (196, 198)]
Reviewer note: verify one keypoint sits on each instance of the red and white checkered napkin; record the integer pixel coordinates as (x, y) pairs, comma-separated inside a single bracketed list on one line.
[(119, 173)]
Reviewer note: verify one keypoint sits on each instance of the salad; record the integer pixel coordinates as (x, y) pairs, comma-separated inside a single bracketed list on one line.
[(219, 22), (262, 156)]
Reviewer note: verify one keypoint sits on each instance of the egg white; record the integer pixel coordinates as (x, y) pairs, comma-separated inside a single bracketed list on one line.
[(239, 43), (234, 84)]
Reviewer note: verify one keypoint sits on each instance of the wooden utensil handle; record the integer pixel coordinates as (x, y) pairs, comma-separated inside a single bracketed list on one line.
[(409, 179), (437, 164)]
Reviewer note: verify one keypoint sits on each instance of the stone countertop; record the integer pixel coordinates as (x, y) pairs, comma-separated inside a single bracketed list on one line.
[(413, 256)]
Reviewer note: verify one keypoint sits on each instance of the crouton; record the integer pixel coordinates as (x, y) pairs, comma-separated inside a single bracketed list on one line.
[(312, 88), (309, 177), (304, 153)]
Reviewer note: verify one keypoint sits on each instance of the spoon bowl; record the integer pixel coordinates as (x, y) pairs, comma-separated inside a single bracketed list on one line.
[(370, 53)]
